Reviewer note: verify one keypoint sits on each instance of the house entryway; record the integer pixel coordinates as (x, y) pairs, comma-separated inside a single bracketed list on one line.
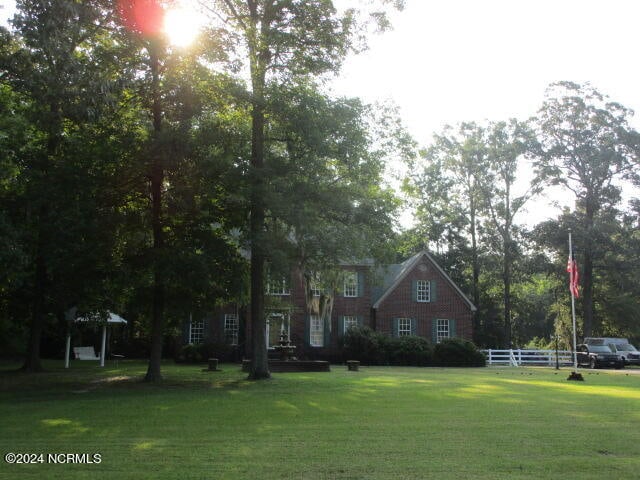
[(277, 322)]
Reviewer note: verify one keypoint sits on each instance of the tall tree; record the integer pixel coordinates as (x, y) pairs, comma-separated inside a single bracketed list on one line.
[(55, 58), (616, 265), (448, 184), (586, 145), (507, 142), (283, 41), (193, 262), (144, 18), (330, 165)]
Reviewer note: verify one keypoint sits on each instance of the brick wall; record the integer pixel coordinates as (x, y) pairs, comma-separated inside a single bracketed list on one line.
[(398, 303), (447, 305), (356, 306)]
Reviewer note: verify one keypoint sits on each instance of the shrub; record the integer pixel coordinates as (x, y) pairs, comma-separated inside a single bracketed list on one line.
[(362, 343), (454, 352), (189, 354), (375, 348), (202, 352), (409, 351)]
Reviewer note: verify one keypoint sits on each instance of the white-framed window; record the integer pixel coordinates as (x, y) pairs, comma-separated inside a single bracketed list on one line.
[(316, 331), (443, 330), (231, 328), (349, 321), (351, 284), (423, 291), (404, 327), (278, 287), (196, 331), (314, 283), (315, 291)]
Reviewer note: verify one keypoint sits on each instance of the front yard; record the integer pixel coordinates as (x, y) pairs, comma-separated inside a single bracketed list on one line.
[(380, 422)]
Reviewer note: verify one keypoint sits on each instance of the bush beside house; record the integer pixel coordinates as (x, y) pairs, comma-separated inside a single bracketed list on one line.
[(375, 348), (454, 352)]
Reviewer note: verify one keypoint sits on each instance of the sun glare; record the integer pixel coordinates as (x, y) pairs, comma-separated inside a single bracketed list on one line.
[(182, 24)]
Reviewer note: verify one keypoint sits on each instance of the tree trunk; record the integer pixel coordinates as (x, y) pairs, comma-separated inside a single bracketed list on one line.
[(157, 312), (587, 273), (507, 246), (260, 364), (157, 180), (259, 57), (587, 294), (32, 361), (506, 277), (475, 266)]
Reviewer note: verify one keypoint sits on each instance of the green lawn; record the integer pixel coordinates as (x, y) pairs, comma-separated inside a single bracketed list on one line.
[(391, 423)]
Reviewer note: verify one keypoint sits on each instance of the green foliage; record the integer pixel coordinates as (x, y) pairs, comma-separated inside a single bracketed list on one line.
[(202, 352), (77, 146), (445, 185), (12, 338), (453, 352), (326, 163), (537, 343), (578, 118), (375, 348), (533, 298), (190, 354), (409, 351), (466, 189), (365, 345)]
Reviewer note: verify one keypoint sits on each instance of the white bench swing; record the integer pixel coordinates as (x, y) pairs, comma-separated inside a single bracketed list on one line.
[(89, 353), (85, 353)]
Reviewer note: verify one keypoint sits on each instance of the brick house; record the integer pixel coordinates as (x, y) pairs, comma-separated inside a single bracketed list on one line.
[(415, 297)]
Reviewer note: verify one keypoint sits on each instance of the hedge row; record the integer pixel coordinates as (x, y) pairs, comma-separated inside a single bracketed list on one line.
[(374, 348)]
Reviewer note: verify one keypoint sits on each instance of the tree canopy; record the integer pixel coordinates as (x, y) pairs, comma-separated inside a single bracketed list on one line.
[(161, 181)]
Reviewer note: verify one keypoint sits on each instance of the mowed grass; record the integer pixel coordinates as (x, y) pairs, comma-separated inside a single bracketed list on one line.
[(378, 423)]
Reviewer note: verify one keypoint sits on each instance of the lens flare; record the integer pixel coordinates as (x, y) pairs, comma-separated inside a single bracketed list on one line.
[(143, 16)]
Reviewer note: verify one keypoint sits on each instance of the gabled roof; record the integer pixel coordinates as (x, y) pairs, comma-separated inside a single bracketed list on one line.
[(394, 274)]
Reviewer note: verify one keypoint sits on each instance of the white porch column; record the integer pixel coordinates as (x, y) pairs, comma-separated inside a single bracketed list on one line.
[(104, 344), (67, 350)]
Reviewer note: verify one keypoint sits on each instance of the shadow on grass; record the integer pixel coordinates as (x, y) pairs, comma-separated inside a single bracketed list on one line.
[(128, 376), (507, 384)]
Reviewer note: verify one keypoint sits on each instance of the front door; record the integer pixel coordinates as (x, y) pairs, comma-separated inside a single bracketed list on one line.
[(277, 322)]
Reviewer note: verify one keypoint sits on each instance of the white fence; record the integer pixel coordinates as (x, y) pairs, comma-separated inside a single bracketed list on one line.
[(519, 357)]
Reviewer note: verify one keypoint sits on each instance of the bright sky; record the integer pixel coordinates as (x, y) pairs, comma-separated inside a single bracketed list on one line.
[(448, 61)]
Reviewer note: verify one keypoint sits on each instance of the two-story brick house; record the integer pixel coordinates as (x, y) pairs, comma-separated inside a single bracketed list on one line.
[(415, 297)]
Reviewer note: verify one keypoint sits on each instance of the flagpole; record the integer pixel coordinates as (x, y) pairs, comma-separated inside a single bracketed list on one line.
[(574, 375), (573, 312)]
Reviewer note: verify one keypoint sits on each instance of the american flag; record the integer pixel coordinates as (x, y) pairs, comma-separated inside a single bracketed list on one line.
[(572, 268)]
